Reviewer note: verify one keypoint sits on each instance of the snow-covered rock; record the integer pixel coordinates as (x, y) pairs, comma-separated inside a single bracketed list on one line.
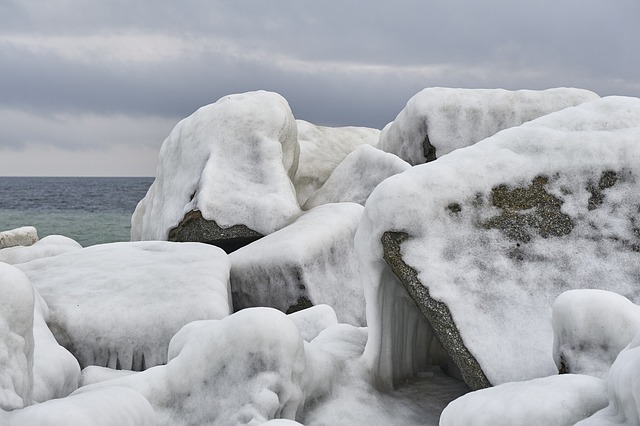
[(311, 261), (439, 120), (228, 165), (50, 245), (485, 238), (357, 176), (590, 328), (119, 304), (313, 320), (25, 236), (548, 401), (322, 149)]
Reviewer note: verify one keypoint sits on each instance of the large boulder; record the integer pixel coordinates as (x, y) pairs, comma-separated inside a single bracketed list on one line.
[(224, 175), (483, 240), (25, 236), (439, 120)]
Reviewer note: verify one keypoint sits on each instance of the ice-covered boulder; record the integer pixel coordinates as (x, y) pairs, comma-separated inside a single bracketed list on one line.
[(25, 236), (50, 245), (312, 321), (590, 328), (322, 149), (224, 176), (485, 238), (357, 176), (312, 261), (16, 339), (119, 304), (559, 400), (439, 120)]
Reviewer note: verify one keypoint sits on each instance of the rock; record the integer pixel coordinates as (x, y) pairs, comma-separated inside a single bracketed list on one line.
[(25, 236), (483, 240), (357, 176), (50, 245), (437, 121), (224, 175), (310, 262), (322, 149)]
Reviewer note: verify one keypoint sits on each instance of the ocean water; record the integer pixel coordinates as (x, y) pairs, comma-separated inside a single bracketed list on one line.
[(91, 210)]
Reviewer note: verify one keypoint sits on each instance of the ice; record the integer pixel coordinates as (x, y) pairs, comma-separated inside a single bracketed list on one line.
[(119, 304), (322, 149), (438, 120), (232, 161), (357, 176), (549, 401), (313, 320), (499, 283), (24, 236), (312, 261), (50, 245)]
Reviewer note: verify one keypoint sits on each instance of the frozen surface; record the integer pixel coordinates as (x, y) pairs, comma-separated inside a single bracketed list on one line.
[(498, 230), (313, 320), (312, 261), (50, 245), (16, 339), (590, 328), (118, 305), (322, 149), (445, 119), (232, 161), (560, 400), (357, 176), (24, 236)]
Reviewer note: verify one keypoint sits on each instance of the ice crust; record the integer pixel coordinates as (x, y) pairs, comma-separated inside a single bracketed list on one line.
[(455, 118), (233, 161), (24, 236), (118, 305), (499, 289), (50, 245)]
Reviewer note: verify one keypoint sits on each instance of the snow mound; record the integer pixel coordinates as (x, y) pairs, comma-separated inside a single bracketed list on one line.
[(50, 245), (231, 161), (313, 320), (322, 149), (439, 120), (118, 305), (25, 236), (357, 176)]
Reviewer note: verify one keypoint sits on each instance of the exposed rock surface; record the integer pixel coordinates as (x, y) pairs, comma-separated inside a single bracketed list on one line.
[(25, 236)]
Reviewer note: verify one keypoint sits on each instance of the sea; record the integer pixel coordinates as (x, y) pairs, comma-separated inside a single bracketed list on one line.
[(90, 210)]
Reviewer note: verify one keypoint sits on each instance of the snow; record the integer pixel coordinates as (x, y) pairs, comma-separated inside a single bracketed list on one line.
[(450, 119), (357, 176), (313, 320), (233, 161), (24, 236), (500, 289), (322, 149), (50, 245), (310, 261), (119, 304), (548, 401)]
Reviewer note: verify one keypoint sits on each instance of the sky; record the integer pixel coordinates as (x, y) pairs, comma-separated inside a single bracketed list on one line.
[(92, 88)]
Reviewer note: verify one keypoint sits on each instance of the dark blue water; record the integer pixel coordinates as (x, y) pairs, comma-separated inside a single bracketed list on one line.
[(91, 210)]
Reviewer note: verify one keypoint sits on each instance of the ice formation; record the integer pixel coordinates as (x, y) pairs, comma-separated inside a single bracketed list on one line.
[(25, 236), (312, 261), (313, 320), (232, 161), (322, 149), (438, 120), (119, 304), (357, 176), (50, 245), (494, 232)]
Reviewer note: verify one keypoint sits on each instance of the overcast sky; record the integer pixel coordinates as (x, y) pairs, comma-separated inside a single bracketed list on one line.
[(93, 87)]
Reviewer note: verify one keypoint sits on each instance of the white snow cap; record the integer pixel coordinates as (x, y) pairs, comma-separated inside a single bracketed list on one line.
[(50, 245), (232, 161)]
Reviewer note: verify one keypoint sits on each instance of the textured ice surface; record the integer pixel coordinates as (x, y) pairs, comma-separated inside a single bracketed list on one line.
[(357, 176), (549, 401), (439, 120), (322, 149), (313, 320), (232, 161), (50, 245), (24, 236), (311, 261), (118, 305), (499, 229)]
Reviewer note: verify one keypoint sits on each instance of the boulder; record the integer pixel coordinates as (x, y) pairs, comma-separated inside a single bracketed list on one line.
[(483, 240), (224, 175), (25, 236), (439, 120)]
